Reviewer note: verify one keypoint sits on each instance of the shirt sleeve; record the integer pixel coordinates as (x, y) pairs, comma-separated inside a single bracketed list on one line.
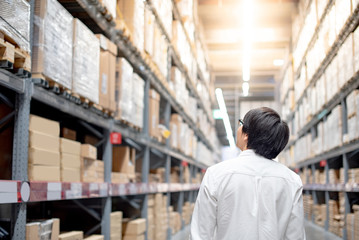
[(205, 211), (295, 229)]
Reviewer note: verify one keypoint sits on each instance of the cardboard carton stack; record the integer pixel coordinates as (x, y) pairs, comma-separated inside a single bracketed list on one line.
[(53, 43), (137, 100), (160, 174), (92, 170), (186, 174), (187, 211), (356, 50), (175, 175), (86, 62), (350, 221), (107, 77), (175, 220), (353, 175), (123, 164), (124, 76), (47, 229), (341, 212), (356, 221), (308, 206), (334, 176), (73, 235), (134, 229), (352, 101), (320, 176), (68, 133), (133, 15), (320, 214), (149, 31), (154, 114), (70, 160), (175, 128), (44, 149), (334, 217), (161, 217), (151, 226), (341, 176), (116, 225)]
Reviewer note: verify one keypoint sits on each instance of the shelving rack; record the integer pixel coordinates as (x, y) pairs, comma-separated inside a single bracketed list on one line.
[(19, 192), (344, 156)]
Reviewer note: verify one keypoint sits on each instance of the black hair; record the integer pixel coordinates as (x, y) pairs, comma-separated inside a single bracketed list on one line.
[(267, 133)]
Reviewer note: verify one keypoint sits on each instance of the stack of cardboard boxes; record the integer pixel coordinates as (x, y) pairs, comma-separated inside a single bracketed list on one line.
[(154, 114), (350, 221), (320, 214), (159, 173), (187, 211), (353, 175), (352, 101), (334, 217), (175, 175), (320, 177), (44, 149), (95, 237), (116, 225), (70, 160), (73, 235), (92, 170), (160, 217), (47, 229), (333, 176), (123, 164), (107, 75), (134, 229), (151, 226), (308, 206), (175, 220)]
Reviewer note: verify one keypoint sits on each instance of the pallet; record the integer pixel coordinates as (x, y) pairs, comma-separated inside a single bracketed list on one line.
[(47, 83), (131, 125), (104, 11), (13, 58)]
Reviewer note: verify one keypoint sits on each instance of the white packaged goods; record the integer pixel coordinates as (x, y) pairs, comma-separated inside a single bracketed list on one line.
[(110, 6), (124, 89), (351, 103), (342, 13), (86, 62), (160, 50), (356, 50), (321, 92), (345, 61), (137, 101), (149, 31), (133, 14), (53, 42), (321, 4), (15, 22), (331, 77), (164, 11)]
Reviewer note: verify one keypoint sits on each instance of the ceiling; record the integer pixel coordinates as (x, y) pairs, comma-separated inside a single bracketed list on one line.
[(222, 23)]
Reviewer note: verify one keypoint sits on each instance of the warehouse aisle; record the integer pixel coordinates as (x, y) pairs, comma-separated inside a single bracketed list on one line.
[(315, 232)]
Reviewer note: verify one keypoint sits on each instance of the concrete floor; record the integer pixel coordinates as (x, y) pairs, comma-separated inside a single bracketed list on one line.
[(315, 232)]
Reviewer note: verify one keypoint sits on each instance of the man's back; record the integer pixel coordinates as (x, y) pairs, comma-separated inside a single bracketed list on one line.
[(249, 197)]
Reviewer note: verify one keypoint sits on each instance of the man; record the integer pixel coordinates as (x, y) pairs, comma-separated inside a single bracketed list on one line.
[(251, 196)]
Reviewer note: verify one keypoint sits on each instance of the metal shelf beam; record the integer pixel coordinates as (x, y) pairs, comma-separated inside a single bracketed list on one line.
[(9, 80)]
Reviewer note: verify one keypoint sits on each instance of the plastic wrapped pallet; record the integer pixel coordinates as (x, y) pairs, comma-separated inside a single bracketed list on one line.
[(133, 15), (149, 31), (53, 41), (86, 62), (15, 22), (124, 72), (137, 100), (356, 50)]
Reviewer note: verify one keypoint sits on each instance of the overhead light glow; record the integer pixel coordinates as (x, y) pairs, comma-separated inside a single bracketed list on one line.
[(278, 62), (245, 89), (227, 124), (247, 20)]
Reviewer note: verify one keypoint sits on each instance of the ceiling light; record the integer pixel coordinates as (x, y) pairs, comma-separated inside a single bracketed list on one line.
[(278, 62), (245, 89), (247, 20), (227, 124)]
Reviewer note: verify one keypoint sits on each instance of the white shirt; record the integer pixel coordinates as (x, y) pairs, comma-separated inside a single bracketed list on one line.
[(249, 197)]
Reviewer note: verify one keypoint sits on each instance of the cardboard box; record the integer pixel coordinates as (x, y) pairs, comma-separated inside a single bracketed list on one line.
[(74, 235), (134, 237), (41, 230), (44, 126), (70, 175), (68, 134), (154, 114), (112, 82), (43, 173), (32, 231), (45, 142), (104, 88), (55, 229), (117, 177), (95, 237), (134, 227), (70, 161), (123, 159), (88, 151), (43, 157), (116, 225), (70, 146)]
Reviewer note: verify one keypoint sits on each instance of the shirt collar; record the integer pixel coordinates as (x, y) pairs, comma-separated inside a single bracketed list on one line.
[(248, 152)]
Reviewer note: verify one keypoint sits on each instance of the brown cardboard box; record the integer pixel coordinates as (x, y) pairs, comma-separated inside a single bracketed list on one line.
[(68, 134), (44, 157), (95, 237), (134, 227), (116, 225), (119, 177), (70, 175), (134, 237), (70, 161), (90, 140), (104, 79), (46, 142), (44, 126), (88, 151), (154, 107), (70, 146), (32, 231), (43, 173), (123, 159), (55, 229), (74, 235), (112, 81)]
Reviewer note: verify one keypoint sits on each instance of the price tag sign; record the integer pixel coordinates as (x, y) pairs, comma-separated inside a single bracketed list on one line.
[(323, 163), (115, 138)]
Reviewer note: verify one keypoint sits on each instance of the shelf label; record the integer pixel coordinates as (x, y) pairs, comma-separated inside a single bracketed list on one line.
[(54, 187), (53, 195), (184, 164), (8, 186), (8, 197), (323, 163), (115, 138)]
